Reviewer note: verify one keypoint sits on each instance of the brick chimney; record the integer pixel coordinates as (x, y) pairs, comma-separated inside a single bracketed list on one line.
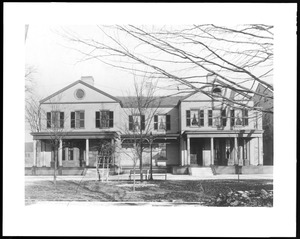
[(88, 79)]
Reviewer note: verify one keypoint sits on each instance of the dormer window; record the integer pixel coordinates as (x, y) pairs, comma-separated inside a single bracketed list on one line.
[(217, 90)]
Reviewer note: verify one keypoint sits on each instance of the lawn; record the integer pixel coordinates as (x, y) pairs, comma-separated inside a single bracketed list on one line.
[(204, 192)]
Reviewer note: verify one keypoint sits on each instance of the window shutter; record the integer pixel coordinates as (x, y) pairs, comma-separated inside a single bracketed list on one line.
[(155, 122), (130, 122), (209, 117), (201, 118), (111, 119), (188, 118), (97, 121), (224, 119), (48, 120), (72, 119), (143, 122), (81, 119), (168, 122), (232, 118), (61, 119), (245, 117)]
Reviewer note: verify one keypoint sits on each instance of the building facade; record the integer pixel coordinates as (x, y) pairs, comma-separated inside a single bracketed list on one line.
[(196, 130)]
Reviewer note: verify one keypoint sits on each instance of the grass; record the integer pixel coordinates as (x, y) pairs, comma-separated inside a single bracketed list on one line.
[(201, 191)]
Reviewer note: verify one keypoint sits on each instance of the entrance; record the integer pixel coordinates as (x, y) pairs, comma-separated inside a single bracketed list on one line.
[(198, 152)]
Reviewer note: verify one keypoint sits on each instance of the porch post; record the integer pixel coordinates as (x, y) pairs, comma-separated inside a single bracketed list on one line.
[(212, 151), (113, 156), (60, 153), (34, 154), (260, 151), (236, 160), (188, 151), (182, 151), (87, 152)]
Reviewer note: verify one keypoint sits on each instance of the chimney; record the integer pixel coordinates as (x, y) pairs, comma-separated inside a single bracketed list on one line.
[(88, 79)]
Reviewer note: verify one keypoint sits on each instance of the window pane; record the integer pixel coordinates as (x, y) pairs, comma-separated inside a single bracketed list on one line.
[(195, 117)]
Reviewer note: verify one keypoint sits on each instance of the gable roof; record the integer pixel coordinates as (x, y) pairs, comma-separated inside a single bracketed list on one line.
[(84, 83)]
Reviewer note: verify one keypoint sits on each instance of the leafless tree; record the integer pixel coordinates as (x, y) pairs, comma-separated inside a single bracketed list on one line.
[(184, 57), (54, 122), (140, 110)]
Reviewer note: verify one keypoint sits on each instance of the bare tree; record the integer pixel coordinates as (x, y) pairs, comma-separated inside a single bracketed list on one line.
[(53, 122), (140, 110), (185, 56)]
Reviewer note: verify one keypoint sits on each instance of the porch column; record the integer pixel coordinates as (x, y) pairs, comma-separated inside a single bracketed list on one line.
[(260, 151), (188, 151), (60, 153), (87, 152), (34, 154), (212, 151), (236, 160), (113, 156), (182, 151)]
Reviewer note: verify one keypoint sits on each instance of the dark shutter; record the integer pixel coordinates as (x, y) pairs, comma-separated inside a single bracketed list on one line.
[(188, 118), (224, 119), (97, 121), (81, 117), (168, 122), (231, 118), (111, 119), (245, 117), (72, 119), (155, 122), (201, 118), (48, 120), (130, 122), (61, 119), (209, 117), (143, 122)]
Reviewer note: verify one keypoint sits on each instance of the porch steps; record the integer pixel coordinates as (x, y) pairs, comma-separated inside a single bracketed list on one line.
[(200, 171)]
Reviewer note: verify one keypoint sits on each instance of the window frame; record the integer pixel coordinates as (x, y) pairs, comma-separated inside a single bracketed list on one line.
[(77, 122)]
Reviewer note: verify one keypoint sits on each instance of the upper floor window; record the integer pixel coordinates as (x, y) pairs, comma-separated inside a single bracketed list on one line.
[(195, 117), (104, 119), (239, 117), (162, 122), (136, 122), (77, 119), (217, 118), (55, 119)]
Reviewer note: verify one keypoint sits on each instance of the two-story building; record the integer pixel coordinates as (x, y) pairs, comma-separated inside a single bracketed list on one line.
[(196, 130)]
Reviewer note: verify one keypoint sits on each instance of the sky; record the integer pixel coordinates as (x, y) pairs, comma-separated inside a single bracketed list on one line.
[(57, 65), (56, 69)]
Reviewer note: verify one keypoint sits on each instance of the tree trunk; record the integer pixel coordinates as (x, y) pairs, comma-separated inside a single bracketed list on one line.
[(55, 166)]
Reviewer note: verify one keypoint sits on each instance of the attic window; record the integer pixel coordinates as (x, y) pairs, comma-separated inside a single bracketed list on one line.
[(79, 94), (217, 90)]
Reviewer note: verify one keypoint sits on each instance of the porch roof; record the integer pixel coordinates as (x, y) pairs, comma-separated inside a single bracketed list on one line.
[(157, 138), (223, 133), (77, 135)]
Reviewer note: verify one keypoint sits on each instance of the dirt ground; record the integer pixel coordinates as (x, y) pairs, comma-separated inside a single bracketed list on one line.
[(176, 191)]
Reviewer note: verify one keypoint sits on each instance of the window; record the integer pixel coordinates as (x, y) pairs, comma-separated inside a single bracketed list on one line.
[(55, 119), (239, 117), (104, 119), (77, 119), (162, 122), (79, 94), (245, 117), (217, 118), (136, 122), (195, 117)]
